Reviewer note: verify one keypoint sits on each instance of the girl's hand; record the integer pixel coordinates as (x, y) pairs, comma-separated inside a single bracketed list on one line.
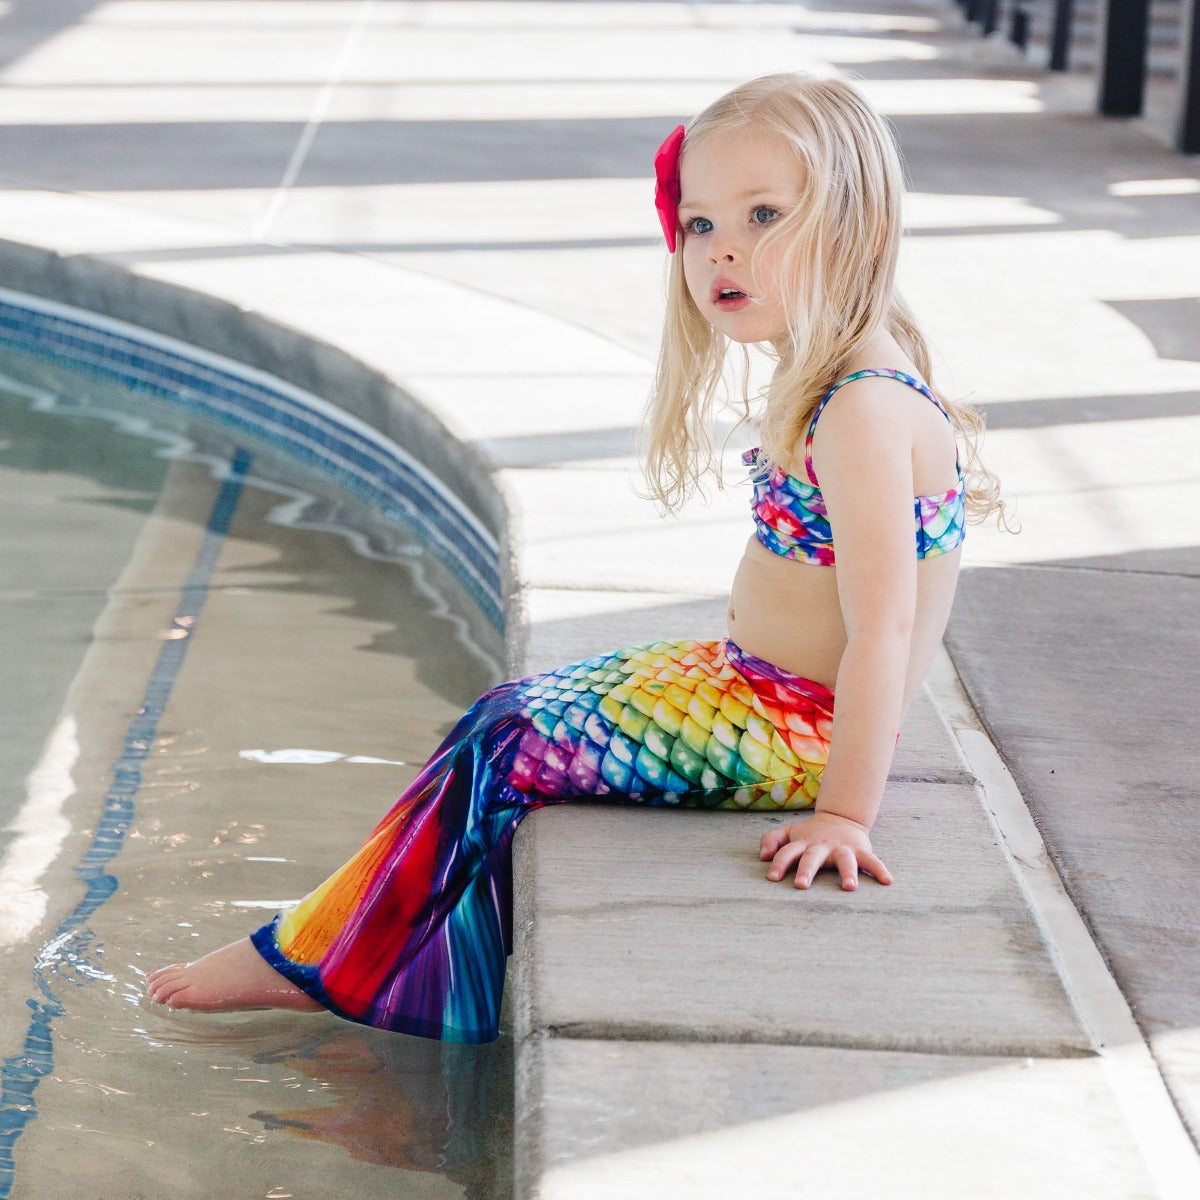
[(822, 840)]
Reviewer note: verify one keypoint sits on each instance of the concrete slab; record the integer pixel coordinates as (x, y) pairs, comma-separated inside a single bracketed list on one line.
[(568, 624), (576, 276), (715, 1121), (545, 418), (925, 752), (1178, 1056), (1091, 705), (637, 945), (594, 531), (370, 311)]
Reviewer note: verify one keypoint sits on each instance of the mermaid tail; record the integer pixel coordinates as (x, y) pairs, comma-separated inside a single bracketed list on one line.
[(413, 932)]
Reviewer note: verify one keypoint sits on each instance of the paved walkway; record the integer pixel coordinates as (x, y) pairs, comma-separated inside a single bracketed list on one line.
[(457, 194)]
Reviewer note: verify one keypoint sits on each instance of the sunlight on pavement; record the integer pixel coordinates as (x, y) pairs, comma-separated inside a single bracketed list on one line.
[(1104, 488), (902, 1135), (1155, 187)]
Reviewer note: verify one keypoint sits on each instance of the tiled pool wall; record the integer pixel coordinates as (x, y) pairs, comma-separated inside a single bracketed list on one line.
[(311, 401)]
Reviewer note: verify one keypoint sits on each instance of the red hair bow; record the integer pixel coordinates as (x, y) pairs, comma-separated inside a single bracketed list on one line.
[(666, 186)]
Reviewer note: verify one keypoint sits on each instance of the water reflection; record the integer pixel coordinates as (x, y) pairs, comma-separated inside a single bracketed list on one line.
[(382, 1099), (408, 1103)]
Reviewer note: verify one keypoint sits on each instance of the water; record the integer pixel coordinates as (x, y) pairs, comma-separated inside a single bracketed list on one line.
[(267, 688)]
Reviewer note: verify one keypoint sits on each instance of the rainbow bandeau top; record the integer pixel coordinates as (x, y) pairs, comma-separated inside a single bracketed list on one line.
[(790, 517)]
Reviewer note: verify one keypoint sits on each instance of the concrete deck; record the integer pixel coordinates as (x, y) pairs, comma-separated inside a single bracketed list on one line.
[(456, 194)]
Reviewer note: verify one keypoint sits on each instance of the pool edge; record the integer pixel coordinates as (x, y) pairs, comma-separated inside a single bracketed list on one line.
[(262, 343)]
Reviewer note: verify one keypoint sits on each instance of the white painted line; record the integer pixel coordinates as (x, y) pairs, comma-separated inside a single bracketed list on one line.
[(320, 110), (1132, 1074)]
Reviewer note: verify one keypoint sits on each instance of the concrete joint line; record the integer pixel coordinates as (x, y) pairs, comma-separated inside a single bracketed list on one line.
[(1129, 1067), (691, 1035)]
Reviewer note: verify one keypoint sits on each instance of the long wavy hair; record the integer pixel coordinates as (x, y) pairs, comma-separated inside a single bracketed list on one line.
[(838, 252)]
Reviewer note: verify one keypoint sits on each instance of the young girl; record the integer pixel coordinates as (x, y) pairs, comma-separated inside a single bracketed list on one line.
[(781, 207)]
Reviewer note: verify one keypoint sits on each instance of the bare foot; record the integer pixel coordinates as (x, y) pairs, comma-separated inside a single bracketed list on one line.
[(231, 979)]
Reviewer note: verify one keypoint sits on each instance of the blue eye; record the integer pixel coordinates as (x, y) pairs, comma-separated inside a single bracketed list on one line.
[(764, 214), (699, 225)]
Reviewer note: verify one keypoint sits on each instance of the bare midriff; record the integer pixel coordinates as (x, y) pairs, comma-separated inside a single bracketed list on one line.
[(788, 613)]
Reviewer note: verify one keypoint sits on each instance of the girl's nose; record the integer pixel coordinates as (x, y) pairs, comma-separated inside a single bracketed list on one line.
[(722, 249)]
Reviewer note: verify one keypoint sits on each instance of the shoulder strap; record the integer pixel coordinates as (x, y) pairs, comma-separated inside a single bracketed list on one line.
[(888, 373)]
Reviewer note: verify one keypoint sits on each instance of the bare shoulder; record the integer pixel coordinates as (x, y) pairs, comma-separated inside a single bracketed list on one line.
[(879, 423), (874, 407)]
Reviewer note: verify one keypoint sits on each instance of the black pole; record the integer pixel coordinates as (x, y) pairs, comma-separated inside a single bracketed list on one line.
[(989, 16), (1123, 62), (1060, 37), (1018, 27), (1187, 136)]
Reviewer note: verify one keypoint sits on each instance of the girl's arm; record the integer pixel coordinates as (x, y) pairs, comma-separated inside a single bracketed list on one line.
[(862, 454)]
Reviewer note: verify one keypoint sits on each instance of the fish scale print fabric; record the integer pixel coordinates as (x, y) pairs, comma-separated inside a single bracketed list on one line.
[(941, 523), (676, 723), (412, 933)]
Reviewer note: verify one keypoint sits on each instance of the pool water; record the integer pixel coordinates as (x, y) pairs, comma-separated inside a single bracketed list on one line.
[(220, 670)]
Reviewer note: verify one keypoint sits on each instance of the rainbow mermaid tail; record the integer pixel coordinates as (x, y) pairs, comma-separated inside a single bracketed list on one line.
[(413, 932)]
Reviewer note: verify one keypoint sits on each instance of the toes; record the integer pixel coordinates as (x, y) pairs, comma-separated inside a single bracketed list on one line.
[(161, 992), (178, 993), (166, 982), (161, 974)]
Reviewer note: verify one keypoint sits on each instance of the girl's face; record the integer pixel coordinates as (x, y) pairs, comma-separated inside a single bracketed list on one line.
[(733, 188)]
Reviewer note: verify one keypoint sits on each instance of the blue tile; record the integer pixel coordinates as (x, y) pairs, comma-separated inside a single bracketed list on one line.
[(367, 465)]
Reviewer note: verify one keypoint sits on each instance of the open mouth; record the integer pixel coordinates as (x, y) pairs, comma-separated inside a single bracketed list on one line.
[(730, 298)]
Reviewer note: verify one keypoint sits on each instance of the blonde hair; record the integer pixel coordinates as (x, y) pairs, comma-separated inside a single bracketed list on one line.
[(838, 252)]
